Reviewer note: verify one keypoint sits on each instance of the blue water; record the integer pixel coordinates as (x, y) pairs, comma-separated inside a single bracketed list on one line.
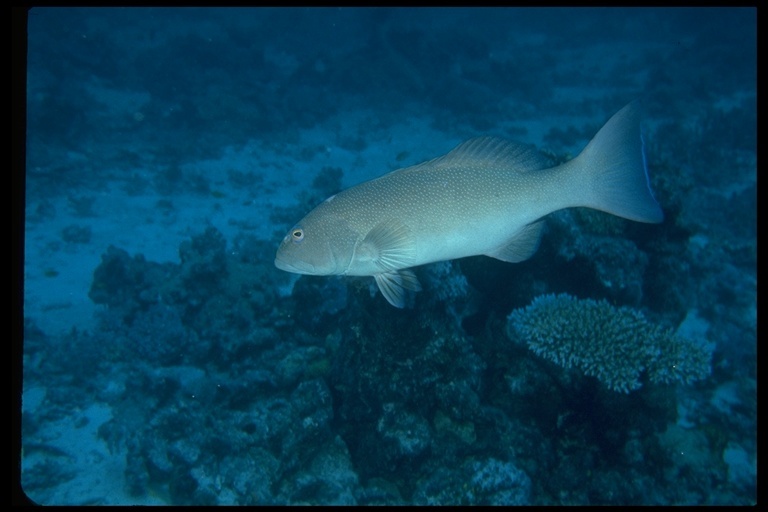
[(167, 361)]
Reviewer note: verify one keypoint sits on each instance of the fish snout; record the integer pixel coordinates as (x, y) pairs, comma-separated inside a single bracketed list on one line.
[(296, 266)]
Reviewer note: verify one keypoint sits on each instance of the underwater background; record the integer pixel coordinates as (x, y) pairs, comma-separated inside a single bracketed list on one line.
[(167, 361)]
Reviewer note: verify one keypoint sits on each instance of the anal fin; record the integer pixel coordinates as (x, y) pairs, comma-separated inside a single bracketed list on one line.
[(522, 246)]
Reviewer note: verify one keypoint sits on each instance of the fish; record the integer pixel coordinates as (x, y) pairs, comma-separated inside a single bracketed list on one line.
[(488, 196)]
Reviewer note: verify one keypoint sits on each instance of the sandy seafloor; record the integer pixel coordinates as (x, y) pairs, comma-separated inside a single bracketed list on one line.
[(146, 126)]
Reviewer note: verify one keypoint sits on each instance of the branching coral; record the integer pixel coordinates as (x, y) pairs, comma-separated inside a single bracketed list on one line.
[(613, 344)]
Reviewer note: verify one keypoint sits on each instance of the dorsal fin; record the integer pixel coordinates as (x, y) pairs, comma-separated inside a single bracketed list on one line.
[(489, 151)]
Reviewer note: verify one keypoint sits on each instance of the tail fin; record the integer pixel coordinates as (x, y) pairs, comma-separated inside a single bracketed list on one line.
[(619, 177)]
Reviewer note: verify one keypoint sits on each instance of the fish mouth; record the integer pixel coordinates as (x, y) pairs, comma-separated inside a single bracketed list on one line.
[(297, 267)]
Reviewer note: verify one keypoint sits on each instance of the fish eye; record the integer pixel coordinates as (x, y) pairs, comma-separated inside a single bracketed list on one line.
[(297, 235)]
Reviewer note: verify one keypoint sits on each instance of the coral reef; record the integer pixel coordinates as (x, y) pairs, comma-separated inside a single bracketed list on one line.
[(358, 404), (220, 380), (615, 345)]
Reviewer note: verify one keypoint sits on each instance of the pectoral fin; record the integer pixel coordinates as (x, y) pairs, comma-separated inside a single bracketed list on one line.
[(390, 245), (393, 285)]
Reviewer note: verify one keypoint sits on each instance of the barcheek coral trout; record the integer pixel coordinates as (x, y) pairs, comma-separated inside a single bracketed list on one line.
[(487, 196)]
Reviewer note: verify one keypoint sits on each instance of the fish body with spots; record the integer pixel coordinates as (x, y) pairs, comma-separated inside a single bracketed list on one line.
[(487, 196)]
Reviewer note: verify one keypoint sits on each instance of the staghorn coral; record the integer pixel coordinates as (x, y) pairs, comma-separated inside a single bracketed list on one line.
[(616, 345)]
